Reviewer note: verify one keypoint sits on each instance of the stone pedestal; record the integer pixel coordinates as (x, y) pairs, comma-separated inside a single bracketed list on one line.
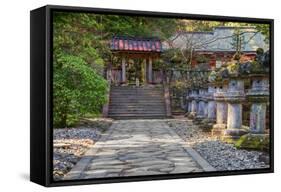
[(201, 109), (234, 98), (258, 118), (201, 101), (189, 106), (205, 99), (206, 109), (193, 103), (193, 107), (221, 117), (211, 108), (258, 95), (187, 103), (201, 104), (221, 111)]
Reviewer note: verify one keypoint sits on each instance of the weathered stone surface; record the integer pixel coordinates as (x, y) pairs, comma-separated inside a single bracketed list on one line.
[(139, 147), (234, 96)]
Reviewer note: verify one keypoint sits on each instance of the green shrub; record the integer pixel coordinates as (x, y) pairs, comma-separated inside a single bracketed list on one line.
[(77, 90), (253, 142)]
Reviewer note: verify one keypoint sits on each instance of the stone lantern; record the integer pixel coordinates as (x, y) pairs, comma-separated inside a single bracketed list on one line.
[(258, 95), (193, 107), (221, 109), (234, 97), (188, 102), (206, 103), (211, 107), (201, 103), (218, 86)]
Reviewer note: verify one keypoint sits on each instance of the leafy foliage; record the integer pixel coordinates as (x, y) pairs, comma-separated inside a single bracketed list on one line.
[(77, 90), (265, 30), (79, 57), (81, 52), (79, 34)]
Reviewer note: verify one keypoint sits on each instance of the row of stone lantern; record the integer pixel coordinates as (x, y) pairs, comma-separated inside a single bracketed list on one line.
[(221, 104)]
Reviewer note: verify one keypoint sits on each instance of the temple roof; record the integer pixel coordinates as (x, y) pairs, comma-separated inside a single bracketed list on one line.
[(131, 44), (220, 39)]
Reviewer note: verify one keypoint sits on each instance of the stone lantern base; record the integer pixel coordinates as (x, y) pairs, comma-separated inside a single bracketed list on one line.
[(191, 115), (218, 130), (206, 124), (231, 135), (198, 119)]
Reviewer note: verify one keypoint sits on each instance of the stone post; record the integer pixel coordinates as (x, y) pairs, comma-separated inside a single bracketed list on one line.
[(221, 110), (206, 103), (187, 103), (211, 108), (193, 106), (258, 95), (201, 104), (234, 98), (124, 70)]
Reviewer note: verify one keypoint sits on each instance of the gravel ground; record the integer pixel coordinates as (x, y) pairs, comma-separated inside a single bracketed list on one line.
[(220, 155), (71, 143)]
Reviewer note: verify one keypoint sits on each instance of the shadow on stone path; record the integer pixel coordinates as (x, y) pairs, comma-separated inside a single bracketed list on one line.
[(135, 148)]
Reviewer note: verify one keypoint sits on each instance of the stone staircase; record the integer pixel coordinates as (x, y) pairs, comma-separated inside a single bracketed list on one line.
[(131, 102)]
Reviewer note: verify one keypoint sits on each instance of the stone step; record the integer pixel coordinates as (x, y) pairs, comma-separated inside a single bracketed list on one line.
[(134, 91), (136, 102), (136, 95), (137, 116), (136, 111), (137, 107), (135, 88), (128, 102), (148, 101)]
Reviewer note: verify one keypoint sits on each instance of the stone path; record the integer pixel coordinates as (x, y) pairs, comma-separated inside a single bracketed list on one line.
[(138, 147)]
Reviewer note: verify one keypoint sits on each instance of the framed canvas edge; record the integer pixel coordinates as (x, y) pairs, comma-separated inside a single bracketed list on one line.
[(48, 66)]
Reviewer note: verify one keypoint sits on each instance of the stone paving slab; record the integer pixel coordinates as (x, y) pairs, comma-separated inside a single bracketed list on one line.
[(138, 147)]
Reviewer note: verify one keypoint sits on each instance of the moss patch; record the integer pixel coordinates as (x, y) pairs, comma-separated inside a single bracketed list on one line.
[(229, 140), (254, 142)]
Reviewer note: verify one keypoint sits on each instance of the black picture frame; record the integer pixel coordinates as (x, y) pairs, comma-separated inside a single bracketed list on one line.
[(41, 95)]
